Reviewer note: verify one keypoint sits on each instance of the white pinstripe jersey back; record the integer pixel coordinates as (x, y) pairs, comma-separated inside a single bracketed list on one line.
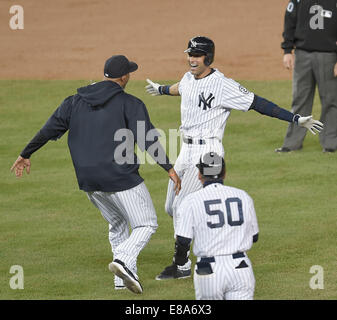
[(220, 219), (206, 104)]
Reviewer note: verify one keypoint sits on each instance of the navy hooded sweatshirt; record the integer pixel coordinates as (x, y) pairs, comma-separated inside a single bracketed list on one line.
[(102, 121)]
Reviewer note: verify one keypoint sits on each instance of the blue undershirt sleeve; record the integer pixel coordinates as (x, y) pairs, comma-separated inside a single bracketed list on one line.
[(270, 109)]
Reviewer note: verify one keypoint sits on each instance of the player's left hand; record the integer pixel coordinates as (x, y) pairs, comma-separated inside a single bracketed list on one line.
[(152, 88), (311, 124), (335, 70), (19, 165), (175, 178)]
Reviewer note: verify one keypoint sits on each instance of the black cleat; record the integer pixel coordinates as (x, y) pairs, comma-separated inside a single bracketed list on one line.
[(172, 272), (130, 280)]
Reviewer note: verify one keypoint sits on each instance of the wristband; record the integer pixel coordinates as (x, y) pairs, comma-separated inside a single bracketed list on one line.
[(295, 118), (164, 90)]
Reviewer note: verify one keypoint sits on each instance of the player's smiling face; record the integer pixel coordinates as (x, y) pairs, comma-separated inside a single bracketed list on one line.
[(198, 67)]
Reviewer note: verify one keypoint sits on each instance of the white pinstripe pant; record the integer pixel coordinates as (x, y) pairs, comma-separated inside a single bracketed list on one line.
[(227, 282), (132, 207), (185, 167)]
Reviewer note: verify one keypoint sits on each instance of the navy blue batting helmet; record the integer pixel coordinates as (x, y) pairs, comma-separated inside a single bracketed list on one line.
[(202, 45)]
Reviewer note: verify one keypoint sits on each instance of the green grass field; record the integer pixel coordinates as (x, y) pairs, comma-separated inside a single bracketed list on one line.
[(48, 226)]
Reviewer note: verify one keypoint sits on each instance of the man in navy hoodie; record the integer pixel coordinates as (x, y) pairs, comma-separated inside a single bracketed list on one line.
[(97, 117)]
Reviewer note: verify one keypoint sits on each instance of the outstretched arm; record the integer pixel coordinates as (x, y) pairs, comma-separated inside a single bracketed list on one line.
[(23, 162), (136, 113), (53, 129), (156, 89), (270, 109)]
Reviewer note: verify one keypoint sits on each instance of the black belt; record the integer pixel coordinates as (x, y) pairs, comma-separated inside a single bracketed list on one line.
[(194, 141), (207, 260), (212, 259)]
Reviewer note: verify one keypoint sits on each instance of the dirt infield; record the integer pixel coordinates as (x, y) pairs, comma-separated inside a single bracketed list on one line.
[(70, 39)]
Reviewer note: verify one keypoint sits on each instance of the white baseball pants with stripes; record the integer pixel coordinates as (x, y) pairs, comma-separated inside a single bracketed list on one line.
[(122, 209), (185, 167), (227, 282)]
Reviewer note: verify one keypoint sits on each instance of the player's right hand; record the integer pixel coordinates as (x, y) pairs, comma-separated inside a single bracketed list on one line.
[(175, 178), (152, 88)]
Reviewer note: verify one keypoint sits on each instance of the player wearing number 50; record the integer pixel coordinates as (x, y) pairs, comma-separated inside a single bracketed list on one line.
[(223, 224), (207, 99)]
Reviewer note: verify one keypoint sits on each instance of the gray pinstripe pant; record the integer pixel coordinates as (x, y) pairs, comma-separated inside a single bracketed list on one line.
[(132, 207)]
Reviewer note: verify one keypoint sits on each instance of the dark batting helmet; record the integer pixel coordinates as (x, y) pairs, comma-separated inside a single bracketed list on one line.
[(202, 45), (211, 165)]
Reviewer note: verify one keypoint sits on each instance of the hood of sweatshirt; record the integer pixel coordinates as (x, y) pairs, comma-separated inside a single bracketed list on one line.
[(99, 93)]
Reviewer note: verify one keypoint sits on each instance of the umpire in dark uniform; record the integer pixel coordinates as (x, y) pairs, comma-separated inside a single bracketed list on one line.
[(310, 27), (102, 120)]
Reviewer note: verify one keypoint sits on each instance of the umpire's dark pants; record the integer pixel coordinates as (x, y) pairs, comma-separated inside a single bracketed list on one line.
[(313, 68)]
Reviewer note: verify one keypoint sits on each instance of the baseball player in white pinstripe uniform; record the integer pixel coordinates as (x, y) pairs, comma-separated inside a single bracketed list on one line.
[(207, 99), (223, 224)]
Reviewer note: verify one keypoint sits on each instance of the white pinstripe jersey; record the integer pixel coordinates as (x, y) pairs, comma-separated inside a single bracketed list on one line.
[(220, 219), (206, 104)]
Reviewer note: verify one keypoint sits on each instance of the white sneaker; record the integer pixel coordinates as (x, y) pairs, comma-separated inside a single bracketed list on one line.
[(130, 280)]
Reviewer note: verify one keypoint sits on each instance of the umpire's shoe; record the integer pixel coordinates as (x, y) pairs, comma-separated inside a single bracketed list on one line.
[(285, 149), (325, 150), (282, 149), (130, 280), (172, 272)]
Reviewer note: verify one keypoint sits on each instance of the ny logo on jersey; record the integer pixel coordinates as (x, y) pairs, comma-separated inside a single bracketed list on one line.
[(207, 102)]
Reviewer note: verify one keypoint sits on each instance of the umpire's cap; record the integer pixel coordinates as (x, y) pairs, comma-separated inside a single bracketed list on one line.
[(202, 45), (118, 66), (211, 165)]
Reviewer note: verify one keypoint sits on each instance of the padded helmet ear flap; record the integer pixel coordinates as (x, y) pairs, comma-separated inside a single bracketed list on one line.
[(208, 60)]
